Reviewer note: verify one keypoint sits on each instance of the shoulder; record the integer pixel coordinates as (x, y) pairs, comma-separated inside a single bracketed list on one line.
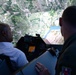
[(68, 57), (18, 51), (69, 54), (21, 57), (67, 60)]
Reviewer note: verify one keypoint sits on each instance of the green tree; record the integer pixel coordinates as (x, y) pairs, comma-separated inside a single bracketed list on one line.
[(31, 16)]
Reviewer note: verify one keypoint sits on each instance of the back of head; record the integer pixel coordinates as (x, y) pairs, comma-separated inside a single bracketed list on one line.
[(69, 15), (5, 33)]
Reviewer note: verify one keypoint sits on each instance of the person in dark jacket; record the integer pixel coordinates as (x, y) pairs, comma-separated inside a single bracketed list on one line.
[(66, 63)]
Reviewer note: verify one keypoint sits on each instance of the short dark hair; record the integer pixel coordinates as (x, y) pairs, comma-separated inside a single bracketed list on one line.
[(7, 37), (69, 15), (3, 26)]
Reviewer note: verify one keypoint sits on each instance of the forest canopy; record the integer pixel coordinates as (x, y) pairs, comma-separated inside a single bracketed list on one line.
[(32, 16)]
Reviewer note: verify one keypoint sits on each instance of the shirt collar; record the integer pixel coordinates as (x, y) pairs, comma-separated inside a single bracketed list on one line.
[(70, 40), (6, 44)]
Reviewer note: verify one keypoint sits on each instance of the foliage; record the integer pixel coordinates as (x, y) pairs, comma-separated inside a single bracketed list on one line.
[(31, 16)]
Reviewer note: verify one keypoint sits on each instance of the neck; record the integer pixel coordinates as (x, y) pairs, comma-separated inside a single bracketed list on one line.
[(68, 34), (3, 39)]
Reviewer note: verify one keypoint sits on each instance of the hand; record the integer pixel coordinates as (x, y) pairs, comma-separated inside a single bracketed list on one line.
[(41, 69)]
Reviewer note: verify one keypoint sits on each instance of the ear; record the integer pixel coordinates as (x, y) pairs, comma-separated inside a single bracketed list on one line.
[(60, 21)]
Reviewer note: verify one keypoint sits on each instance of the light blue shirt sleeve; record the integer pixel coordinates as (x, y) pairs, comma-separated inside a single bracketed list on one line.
[(22, 60)]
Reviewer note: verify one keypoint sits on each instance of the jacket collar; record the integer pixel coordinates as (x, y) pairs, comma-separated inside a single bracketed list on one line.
[(68, 42)]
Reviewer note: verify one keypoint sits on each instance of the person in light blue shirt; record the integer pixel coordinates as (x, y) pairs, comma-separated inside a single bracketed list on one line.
[(17, 57)]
